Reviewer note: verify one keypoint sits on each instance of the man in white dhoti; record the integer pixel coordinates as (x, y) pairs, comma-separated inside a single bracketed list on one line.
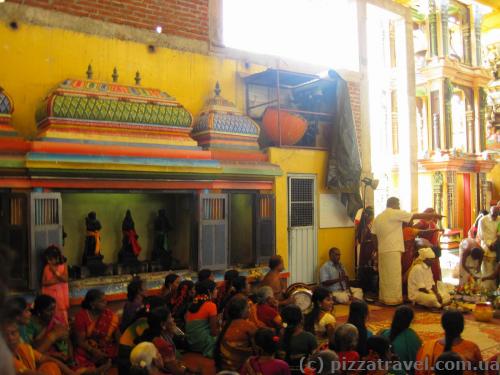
[(488, 233), (421, 286), (333, 277), (388, 229)]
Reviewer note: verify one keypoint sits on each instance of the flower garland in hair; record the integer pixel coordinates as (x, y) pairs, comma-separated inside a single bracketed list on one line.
[(201, 298)]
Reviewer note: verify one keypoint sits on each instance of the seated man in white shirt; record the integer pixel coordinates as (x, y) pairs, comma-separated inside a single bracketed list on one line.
[(333, 277), (421, 286)]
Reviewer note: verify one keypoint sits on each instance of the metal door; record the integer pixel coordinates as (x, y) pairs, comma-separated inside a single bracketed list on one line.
[(302, 236)]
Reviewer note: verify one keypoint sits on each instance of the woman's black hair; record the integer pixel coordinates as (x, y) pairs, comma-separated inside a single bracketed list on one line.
[(358, 312), (266, 339), (53, 252), (150, 303), (449, 363), (239, 284), (91, 296), (235, 310), (230, 275), (14, 307), (319, 294), (379, 345), (202, 288), (156, 318), (452, 322), (134, 288), (204, 274), (170, 279), (403, 316), (42, 303), (292, 316)]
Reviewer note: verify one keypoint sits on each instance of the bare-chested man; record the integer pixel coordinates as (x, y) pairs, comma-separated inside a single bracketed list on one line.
[(273, 280)]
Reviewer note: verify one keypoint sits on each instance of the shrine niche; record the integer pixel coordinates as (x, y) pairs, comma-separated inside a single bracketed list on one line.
[(221, 126), (111, 112)]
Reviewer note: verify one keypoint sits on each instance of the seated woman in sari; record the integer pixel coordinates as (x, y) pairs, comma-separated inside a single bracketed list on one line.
[(405, 342), (201, 320), (225, 290), (234, 344), (430, 231), (17, 308), (96, 329), (320, 321), (28, 361), (452, 322), (181, 301), (47, 334), (267, 308)]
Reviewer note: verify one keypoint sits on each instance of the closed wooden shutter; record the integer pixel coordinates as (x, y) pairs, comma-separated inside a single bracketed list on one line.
[(46, 229), (213, 229), (266, 228)]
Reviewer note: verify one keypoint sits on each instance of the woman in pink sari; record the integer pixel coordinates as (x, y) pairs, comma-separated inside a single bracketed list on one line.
[(55, 281)]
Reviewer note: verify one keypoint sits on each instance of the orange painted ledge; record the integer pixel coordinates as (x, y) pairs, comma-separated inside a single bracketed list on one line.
[(25, 183)]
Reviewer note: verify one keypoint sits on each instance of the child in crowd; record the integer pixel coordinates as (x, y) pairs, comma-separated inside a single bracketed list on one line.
[(265, 363), (135, 298), (55, 281), (345, 343), (296, 343), (320, 321), (18, 309)]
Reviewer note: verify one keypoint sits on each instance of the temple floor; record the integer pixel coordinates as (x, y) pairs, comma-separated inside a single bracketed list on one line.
[(428, 326)]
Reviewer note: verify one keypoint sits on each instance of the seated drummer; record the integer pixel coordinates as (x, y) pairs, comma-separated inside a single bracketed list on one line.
[(333, 277), (273, 280)]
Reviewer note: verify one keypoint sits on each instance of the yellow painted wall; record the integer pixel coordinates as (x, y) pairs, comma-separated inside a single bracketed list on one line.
[(494, 177), (35, 59), (308, 162)]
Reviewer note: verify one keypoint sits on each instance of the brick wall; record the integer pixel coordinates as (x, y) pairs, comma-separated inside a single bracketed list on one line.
[(355, 96), (186, 18)]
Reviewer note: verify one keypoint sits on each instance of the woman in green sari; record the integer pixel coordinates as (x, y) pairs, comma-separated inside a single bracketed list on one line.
[(201, 320), (405, 342)]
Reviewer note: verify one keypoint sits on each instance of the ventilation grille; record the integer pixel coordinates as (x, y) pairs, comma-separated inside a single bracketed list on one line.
[(46, 211), (301, 202)]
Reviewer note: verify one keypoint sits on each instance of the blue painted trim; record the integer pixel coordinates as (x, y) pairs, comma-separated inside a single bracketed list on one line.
[(40, 156)]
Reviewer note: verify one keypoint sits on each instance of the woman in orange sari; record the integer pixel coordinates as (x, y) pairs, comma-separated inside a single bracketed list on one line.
[(452, 322), (96, 329), (234, 344), (27, 360)]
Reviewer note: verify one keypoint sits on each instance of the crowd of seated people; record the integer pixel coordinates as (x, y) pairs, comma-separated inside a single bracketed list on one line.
[(202, 328)]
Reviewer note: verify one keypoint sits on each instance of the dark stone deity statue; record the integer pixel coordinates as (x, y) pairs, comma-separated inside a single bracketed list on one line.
[(161, 252), (92, 257), (130, 246)]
